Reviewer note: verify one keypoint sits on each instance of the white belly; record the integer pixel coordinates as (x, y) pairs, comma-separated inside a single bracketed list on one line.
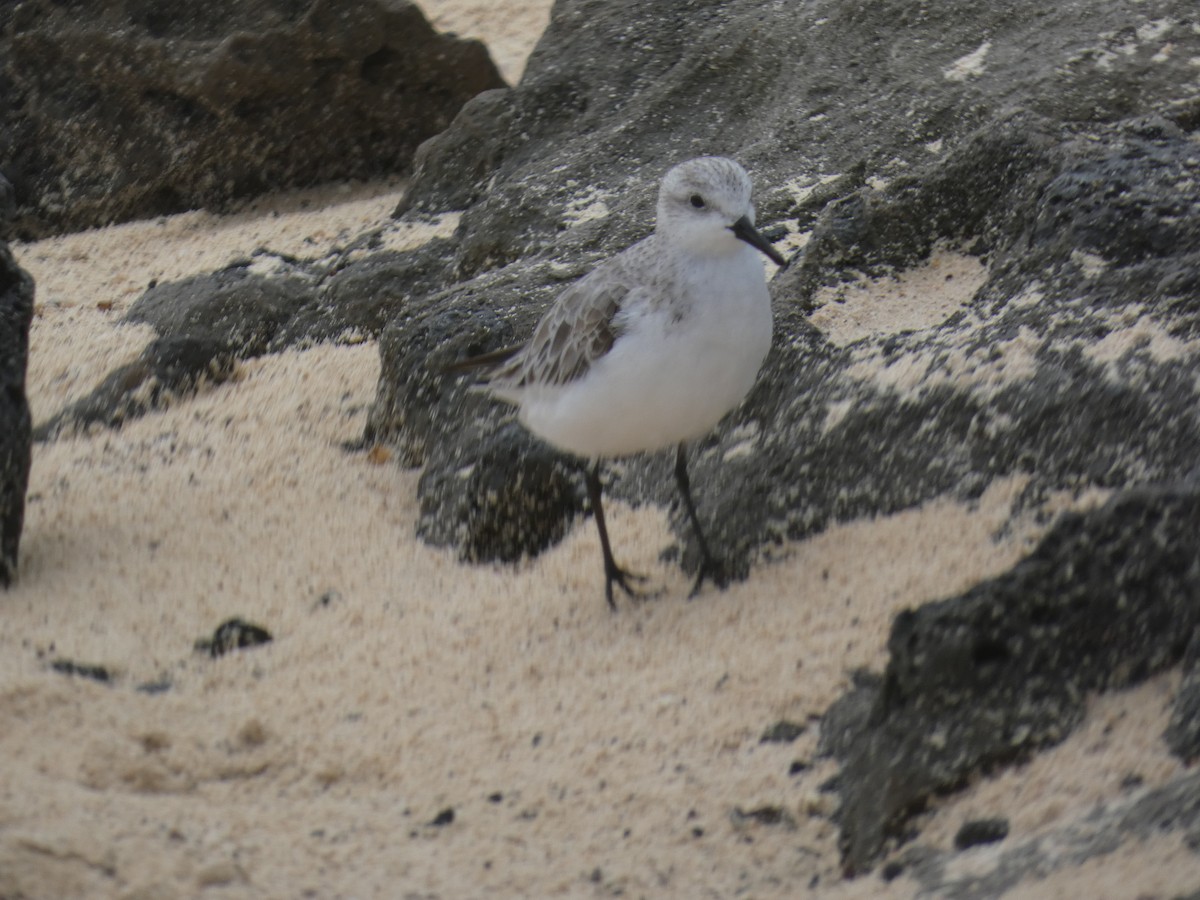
[(663, 381)]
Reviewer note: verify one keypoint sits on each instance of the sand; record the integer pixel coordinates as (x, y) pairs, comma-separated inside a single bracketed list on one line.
[(563, 750)]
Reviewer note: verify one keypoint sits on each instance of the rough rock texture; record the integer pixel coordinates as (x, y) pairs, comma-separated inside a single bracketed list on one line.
[(1183, 731), (1173, 809), (123, 108), (1107, 599), (16, 313), (235, 307), (168, 370)]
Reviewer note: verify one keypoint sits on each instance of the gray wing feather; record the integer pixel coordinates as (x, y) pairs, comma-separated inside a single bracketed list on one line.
[(580, 327)]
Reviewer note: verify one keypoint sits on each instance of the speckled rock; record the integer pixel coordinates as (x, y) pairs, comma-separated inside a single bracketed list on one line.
[(115, 109)]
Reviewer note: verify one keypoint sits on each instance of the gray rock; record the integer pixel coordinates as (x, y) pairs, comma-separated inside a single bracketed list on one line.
[(168, 370), (501, 512), (1173, 809), (1107, 599), (599, 114), (1183, 731), (119, 109), (360, 297), (16, 314), (8, 201), (234, 308)]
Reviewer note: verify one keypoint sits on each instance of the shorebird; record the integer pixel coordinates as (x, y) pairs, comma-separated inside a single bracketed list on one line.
[(652, 347)]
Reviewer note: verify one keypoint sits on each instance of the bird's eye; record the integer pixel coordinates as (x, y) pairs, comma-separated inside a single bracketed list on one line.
[(697, 201)]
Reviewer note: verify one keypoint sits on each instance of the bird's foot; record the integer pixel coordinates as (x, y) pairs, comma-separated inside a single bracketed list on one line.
[(712, 570), (614, 574)]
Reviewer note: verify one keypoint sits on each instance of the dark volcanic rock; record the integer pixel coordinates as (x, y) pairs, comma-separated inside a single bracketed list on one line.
[(1183, 731), (501, 512), (82, 670), (980, 831), (233, 634), (116, 108), (16, 314), (1170, 810), (234, 307), (1107, 598), (362, 296), (167, 370)]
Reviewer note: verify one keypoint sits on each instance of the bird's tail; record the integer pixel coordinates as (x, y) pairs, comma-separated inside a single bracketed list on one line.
[(488, 360)]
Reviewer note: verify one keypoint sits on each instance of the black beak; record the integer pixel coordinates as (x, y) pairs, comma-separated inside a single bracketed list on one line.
[(745, 231)]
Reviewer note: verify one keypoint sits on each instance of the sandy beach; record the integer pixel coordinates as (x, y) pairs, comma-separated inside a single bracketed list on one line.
[(420, 727)]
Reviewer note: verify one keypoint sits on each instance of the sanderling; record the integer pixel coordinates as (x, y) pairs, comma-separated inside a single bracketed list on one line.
[(652, 347)]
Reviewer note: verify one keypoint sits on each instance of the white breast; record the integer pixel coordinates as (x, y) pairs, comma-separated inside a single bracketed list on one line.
[(672, 375)]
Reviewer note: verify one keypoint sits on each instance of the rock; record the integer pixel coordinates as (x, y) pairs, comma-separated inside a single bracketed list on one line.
[(208, 322), (235, 308), (1183, 731), (980, 831), (144, 109), (82, 670), (361, 297), (782, 732), (8, 202), (168, 370), (1107, 599), (510, 498), (233, 634), (16, 314), (1173, 809)]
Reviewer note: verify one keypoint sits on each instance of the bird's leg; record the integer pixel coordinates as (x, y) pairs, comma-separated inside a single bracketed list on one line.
[(612, 572), (710, 567)]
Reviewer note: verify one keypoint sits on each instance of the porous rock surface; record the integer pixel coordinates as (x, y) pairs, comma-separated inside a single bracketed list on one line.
[(111, 109)]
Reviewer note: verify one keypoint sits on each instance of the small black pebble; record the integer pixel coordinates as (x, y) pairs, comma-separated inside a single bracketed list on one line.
[(981, 831), (782, 732), (697, 832), (233, 634), (96, 673), (763, 815), (537, 739), (798, 766), (445, 817), (497, 797), (892, 871), (1131, 781), (597, 876), (155, 687)]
